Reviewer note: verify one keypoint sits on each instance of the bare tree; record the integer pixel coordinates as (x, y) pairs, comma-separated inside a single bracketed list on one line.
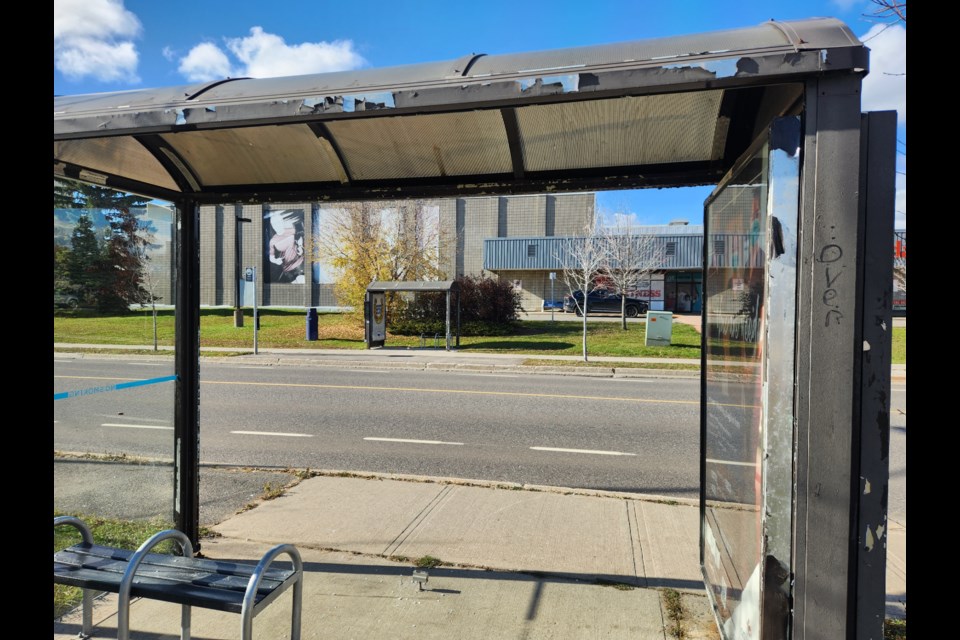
[(890, 9), (582, 261), (631, 259), (148, 279), (900, 274)]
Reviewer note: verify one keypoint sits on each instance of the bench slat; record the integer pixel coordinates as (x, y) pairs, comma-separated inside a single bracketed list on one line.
[(174, 572), (213, 566), (154, 589)]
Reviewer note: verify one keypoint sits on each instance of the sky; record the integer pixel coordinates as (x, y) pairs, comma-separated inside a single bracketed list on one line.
[(116, 45)]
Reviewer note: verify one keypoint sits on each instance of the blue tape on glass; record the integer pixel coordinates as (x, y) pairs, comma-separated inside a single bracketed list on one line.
[(112, 387)]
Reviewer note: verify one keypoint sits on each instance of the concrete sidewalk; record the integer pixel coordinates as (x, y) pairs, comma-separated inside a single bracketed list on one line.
[(518, 562)]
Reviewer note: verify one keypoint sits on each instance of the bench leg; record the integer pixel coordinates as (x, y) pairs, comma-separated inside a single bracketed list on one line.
[(185, 622), (87, 624), (297, 607)]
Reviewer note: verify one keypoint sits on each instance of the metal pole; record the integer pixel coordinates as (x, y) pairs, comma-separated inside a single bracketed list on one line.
[(256, 316), (448, 320), (237, 311), (238, 242), (186, 419)]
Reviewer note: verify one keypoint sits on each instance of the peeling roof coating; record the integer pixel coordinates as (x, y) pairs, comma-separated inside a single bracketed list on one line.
[(519, 128)]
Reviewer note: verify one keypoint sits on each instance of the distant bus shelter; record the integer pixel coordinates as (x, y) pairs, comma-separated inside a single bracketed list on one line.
[(375, 307), (794, 460)]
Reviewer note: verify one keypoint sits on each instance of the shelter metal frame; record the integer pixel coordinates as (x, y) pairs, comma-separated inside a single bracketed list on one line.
[(554, 121)]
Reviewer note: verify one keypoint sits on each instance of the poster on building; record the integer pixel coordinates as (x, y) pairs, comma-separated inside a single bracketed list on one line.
[(283, 246)]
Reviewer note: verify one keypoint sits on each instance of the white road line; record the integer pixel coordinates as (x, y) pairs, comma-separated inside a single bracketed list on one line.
[(593, 451), (273, 433), (492, 375), (136, 426), (413, 441), (733, 462)]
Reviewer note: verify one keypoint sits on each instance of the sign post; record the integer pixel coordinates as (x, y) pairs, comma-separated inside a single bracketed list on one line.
[(553, 298)]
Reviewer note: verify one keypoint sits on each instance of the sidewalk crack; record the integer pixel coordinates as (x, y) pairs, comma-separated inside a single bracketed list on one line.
[(417, 521)]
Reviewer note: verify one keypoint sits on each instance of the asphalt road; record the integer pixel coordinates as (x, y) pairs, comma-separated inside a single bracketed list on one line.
[(625, 435), (637, 435)]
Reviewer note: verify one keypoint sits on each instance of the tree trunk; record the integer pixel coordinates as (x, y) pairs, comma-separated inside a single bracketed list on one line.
[(155, 326), (585, 326), (623, 311)]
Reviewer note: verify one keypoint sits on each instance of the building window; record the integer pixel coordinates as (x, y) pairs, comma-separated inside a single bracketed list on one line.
[(671, 249), (719, 247), (531, 251)]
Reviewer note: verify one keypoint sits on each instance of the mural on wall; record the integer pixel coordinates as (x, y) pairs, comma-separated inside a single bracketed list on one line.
[(283, 235)]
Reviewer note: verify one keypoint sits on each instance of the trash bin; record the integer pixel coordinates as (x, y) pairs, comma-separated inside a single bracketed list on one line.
[(311, 324), (659, 328)]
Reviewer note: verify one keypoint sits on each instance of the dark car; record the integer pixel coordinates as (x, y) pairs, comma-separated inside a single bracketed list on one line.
[(603, 301), (68, 300)]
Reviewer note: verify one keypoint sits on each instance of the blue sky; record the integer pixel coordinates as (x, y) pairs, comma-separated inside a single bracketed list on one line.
[(112, 45)]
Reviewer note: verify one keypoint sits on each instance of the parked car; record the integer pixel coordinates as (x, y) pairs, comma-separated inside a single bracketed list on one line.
[(68, 300), (603, 301)]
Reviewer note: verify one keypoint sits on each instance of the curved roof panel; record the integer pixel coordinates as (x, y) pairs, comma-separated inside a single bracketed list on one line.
[(667, 111)]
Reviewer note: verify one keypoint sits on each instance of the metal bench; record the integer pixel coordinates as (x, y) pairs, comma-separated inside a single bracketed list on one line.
[(184, 580)]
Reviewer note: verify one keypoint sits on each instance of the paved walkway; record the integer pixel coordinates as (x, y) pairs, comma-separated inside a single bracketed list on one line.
[(517, 562)]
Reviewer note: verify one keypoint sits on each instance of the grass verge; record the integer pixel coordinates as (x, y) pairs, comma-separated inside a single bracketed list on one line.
[(673, 604), (898, 353), (895, 629), (285, 328), (675, 366)]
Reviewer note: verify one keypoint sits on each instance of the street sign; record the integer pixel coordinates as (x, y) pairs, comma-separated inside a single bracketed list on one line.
[(553, 275), (248, 274)]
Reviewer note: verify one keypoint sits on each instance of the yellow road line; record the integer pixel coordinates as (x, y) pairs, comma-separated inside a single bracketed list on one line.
[(426, 390)]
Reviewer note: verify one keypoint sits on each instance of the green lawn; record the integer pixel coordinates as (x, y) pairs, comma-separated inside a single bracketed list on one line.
[(287, 328), (899, 351)]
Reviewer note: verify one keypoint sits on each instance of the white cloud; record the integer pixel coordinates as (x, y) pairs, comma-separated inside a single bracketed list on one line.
[(266, 55), (845, 5), (94, 38), (204, 63), (885, 87), (169, 53)]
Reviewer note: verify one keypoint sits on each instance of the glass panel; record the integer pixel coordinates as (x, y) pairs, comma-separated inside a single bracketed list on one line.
[(749, 333), (113, 334)]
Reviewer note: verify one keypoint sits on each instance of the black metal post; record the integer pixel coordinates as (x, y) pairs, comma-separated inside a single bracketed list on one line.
[(878, 189), (186, 422), (238, 269), (828, 367)]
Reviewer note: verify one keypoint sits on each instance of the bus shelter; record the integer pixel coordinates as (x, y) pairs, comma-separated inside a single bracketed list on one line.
[(794, 453), (375, 307)]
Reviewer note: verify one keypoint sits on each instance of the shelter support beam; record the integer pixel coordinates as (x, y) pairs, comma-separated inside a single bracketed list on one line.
[(877, 189), (828, 367), (186, 424)]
